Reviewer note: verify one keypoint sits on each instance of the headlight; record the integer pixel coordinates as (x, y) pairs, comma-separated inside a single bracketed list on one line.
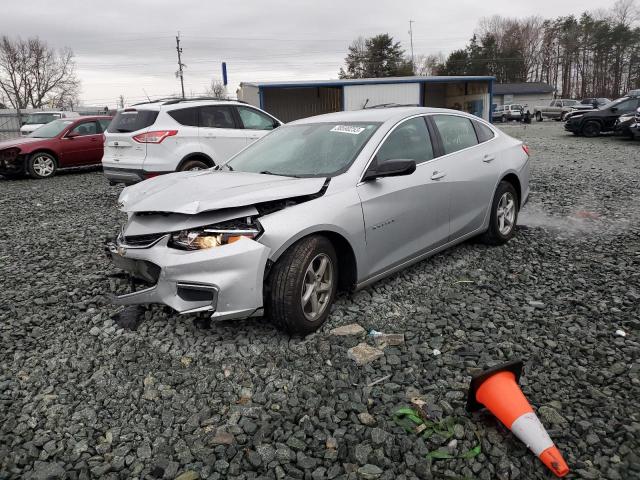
[(216, 235)]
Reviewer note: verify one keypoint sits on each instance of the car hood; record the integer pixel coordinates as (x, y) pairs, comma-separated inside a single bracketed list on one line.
[(18, 142), (202, 191)]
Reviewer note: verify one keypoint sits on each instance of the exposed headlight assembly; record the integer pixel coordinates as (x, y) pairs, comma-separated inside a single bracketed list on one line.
[(9, 154), (216, 235)]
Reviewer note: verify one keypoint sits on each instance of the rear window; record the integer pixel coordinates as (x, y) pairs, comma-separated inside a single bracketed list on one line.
[(132, 120)]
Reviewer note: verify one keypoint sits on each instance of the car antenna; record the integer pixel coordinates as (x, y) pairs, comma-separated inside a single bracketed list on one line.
[(145, 92)]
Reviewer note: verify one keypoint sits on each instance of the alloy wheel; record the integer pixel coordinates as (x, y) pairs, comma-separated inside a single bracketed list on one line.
[(43, 165), (317, 287), (506, 213)]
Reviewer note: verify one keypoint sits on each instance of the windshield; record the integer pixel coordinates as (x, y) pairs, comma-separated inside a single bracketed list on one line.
[(40, 118), (52, 129), (306, 150)]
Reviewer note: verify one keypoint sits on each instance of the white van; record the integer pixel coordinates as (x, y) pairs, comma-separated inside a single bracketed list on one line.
[(36, 119)]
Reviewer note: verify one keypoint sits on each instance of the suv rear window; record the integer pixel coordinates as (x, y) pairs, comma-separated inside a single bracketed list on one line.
[(132, 120)]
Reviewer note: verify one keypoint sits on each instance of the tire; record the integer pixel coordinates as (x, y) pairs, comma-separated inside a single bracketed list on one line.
[(191, 165), (42, 165), (503, 119), (539, 117), (496, 235), (591, 129), (289, 279)]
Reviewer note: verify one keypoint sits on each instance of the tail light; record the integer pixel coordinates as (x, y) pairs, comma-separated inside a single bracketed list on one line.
[(154, 137), (526, 149)]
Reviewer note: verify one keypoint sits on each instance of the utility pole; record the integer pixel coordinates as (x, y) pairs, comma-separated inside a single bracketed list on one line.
[(413, 65), (180, 64)]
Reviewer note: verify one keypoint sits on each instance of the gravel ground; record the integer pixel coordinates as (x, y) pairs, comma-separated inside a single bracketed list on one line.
[(81, 398)]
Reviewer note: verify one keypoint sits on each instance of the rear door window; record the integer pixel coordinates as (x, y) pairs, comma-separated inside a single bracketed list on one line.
[(186, 116), (132, 120), (216, 117), (104, 123), (457, 133), (255, 120)]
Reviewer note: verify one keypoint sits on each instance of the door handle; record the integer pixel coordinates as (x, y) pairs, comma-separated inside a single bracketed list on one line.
[(437, 175), (488, 159)]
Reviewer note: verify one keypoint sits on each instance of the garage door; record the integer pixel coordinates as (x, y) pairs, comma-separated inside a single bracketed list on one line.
[(357, 96)]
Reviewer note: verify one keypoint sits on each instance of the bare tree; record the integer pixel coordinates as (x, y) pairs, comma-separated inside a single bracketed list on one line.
[(428, 65), (33, 75), (217, 90), (121, 101)]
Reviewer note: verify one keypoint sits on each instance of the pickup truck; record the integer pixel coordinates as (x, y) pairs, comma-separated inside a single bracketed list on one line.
[(556, 109)]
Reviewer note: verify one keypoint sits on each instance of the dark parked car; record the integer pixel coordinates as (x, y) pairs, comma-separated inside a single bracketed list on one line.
[(594, 122), (64, 143), (623, 124), (635, 127)]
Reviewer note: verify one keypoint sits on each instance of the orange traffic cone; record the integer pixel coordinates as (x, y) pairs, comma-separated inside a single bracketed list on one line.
[(498, 390)]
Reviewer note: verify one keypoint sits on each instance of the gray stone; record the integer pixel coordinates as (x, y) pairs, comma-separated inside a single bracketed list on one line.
[(363, 353)]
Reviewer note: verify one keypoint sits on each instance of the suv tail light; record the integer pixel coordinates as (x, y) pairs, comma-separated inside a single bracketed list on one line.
[(154, 137), (526, 149)]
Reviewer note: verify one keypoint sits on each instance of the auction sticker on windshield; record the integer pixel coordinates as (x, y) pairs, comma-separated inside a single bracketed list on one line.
[(347, 129)]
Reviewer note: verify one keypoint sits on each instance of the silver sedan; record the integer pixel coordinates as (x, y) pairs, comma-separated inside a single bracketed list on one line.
[(331, 202)]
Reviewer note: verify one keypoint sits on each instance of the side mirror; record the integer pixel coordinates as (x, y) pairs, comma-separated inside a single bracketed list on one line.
[(390, 168), (638, 110), (614, 109), (276, 124)]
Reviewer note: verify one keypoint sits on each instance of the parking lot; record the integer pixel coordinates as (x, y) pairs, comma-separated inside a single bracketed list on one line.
[(243, 400)]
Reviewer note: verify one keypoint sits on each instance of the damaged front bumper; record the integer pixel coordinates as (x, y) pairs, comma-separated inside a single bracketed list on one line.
[(226, 281)]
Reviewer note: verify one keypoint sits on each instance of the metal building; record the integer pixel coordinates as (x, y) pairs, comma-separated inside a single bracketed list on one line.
[(526, 93), (299, 99)]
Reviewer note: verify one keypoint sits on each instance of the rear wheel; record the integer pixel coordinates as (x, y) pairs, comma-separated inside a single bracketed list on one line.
[(504, 215), (591, 129), (539, 117), (503, 119), (302, 285), (192, 165), (41, 165)]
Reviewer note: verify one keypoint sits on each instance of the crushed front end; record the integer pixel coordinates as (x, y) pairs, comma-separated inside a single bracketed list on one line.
[(199, 263)]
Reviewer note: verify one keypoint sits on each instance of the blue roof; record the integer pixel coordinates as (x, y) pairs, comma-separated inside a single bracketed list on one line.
[(366, 81)]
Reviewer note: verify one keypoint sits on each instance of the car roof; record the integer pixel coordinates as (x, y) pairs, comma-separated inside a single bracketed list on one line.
[(87, 117), (174, 104), (374, 115)]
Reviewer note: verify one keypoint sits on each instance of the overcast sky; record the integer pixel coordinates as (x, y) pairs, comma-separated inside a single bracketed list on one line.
[(127, 47)]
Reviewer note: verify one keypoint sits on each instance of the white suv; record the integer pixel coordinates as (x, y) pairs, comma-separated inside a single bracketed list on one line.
[(150, 139)]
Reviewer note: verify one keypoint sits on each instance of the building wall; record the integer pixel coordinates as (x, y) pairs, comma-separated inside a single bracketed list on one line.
[(249, 94), (288, 104), (356, 96), (531, 99)]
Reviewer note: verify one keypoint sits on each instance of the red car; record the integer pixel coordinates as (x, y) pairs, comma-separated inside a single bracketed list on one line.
[(64, 143)]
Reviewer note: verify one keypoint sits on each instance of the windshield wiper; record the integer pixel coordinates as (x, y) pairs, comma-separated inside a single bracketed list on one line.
[(267, 172)]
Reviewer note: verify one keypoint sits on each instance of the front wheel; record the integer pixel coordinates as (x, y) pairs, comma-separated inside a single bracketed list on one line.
[(504, 215), (41, 165), (591, 129), (302, 285), (539, 117), (503, 119)]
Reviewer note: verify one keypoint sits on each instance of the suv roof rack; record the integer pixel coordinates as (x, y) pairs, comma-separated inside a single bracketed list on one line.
[(173, 101)]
